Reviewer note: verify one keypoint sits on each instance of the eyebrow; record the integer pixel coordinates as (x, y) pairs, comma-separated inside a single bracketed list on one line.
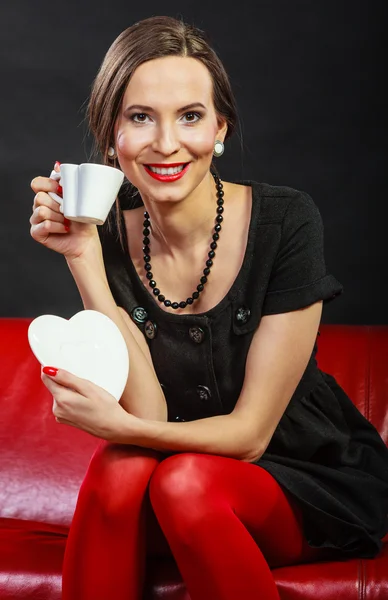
[(150, 109)]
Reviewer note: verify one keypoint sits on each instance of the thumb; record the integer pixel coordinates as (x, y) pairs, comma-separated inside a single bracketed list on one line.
[(67, 379)]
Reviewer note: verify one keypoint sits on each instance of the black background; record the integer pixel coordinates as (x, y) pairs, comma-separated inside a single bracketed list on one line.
[(308, 77)]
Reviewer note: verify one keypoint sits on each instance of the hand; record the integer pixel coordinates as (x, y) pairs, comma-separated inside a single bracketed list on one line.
[(83, 404), (50, 228)]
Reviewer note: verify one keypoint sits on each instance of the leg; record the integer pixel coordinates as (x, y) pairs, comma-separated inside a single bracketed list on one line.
[(105, 551), (227, 522)]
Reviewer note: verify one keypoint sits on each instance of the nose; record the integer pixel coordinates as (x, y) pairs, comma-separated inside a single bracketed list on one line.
[(166, 141)]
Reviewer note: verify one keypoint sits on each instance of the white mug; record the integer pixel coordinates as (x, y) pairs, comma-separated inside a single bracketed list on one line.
[(89, 191)]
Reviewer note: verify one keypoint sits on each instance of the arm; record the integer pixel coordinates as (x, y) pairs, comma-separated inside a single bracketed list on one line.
[(277, 359), (142, 396)]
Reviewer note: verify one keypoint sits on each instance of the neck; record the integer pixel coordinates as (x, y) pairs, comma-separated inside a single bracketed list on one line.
[(179, 226)]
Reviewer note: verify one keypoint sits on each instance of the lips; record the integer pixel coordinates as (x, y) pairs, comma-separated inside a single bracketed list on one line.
[(166, 165), (165, 177)]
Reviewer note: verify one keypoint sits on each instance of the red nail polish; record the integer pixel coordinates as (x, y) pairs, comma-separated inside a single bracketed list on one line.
[(59, 190), (57, 164), (67, 228), (66, 221), (52, 371)]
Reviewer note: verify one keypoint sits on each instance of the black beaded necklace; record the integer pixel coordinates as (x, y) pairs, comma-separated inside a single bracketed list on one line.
[(209, 262)]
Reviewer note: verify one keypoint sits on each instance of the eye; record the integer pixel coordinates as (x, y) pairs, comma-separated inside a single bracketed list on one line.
[(192, 117), (139, 117)]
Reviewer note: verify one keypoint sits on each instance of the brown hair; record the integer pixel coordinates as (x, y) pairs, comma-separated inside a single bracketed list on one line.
[(148, 39)]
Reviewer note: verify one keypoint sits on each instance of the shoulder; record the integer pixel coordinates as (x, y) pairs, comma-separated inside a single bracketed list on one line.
[(279, 203)]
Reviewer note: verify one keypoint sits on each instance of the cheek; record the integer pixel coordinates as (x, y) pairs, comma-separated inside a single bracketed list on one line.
[(130, 144), (201, 141), (123, 143)]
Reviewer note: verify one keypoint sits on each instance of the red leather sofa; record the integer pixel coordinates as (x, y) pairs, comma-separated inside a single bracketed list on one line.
[(43, 463)]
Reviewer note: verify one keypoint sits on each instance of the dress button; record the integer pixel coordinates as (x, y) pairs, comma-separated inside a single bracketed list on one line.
[(242, 315), (196, 334), (150, 329), (204, 393), (179, 419), (139, 314)]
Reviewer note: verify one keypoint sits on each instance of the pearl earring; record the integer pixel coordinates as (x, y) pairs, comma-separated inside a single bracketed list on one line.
[(218, 148), (111, 153)]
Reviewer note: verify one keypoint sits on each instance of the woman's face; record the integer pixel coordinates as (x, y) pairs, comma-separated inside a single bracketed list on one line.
[(168, 121)]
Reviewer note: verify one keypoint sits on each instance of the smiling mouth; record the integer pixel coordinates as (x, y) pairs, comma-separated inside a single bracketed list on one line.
[(173, 169), (167, 172)]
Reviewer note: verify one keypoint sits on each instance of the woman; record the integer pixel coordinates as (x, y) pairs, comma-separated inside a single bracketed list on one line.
[(227, 432)]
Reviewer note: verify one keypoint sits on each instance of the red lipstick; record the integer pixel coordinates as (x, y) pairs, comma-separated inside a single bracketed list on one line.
[(167, 178)]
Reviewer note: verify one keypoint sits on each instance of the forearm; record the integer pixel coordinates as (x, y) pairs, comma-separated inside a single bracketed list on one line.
[(224, 435), (142, 396)]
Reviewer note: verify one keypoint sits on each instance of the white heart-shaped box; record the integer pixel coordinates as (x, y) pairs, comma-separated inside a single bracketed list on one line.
[(89, 345)]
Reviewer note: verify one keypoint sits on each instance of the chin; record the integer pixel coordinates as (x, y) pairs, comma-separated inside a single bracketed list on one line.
[(168, 192), (168, 195)]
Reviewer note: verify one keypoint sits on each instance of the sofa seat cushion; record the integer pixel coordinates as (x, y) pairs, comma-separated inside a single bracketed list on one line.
[(163, 581), (352, 579), (31, 556)]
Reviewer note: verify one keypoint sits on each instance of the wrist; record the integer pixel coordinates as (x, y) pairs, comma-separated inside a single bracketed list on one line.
[(88, 272), (132, 430), (91, 255)]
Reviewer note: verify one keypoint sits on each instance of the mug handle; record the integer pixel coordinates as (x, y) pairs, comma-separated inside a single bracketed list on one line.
[(57, 177)]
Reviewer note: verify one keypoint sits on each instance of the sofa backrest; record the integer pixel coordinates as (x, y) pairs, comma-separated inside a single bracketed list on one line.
[(43, 462), (357, 356)]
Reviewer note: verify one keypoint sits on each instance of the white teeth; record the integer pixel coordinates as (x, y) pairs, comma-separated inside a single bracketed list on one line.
[(167, 171)]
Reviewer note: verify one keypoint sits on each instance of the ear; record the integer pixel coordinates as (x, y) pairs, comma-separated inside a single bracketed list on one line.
[(223, 128)]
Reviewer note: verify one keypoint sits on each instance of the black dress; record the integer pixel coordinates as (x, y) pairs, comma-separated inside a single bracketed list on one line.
[(323, 452)]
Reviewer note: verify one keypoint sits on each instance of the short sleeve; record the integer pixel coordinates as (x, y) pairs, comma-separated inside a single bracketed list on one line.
[(299, 276)]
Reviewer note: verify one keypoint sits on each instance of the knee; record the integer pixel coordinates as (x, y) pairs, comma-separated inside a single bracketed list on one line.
[(180, 479), (118, 475)]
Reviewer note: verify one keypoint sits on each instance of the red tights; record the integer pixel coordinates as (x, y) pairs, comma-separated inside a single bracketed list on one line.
[(225, 521)]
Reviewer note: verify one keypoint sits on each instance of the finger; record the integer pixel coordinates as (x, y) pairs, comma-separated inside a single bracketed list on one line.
[(41, 232), (57, 198), (43, 199), (44, 184), (62, 396), (56, 175), (53, 387), (66, 379), (64, 422), (56, 410), (44, 213)]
